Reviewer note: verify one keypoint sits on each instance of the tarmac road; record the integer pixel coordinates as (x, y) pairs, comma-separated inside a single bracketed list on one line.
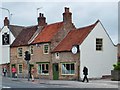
[(41, 83)]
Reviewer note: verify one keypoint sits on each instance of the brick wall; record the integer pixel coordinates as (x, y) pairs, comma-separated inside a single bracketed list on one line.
[(67, 57)]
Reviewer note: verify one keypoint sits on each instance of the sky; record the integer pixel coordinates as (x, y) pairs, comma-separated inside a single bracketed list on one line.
[(84, 13)]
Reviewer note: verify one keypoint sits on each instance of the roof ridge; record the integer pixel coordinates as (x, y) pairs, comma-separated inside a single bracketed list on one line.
[(16, 26), (54, 23), (91, 25)]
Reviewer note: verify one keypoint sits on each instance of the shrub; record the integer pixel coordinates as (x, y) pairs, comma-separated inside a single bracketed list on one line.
[(117, 66)]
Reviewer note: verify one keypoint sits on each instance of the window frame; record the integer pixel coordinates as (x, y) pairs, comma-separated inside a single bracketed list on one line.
[(19, 52), (31, 49), (19, 68), (40, 68), (44, 49), (70, 68), (57, 55), (99, 44)]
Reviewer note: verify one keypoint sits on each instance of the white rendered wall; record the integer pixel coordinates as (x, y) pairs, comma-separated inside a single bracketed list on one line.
[(5, 49), (98, 62), (0, 48)]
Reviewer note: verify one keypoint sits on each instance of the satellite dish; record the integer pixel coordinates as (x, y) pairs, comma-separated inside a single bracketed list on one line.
[(74, 50)]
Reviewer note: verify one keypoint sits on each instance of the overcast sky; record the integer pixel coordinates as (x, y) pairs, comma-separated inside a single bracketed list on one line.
[(83, 13)]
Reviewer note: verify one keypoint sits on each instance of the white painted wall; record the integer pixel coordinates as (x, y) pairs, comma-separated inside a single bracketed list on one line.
[(0, 47), (5, 49), (98, 62)]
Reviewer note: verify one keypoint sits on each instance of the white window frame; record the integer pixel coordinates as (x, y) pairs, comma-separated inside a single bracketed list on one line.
[(44, 49), (31, 50), (41, 71), (57, 55), (18, 52), (99, 46), (19, 68), (70, 67)]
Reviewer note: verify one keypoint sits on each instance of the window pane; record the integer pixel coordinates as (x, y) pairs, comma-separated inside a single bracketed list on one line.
[(63, 69), (20, 52), (72, 69), (46, 48), (43, 68), (20, 68), (31, 49), (99, 44), (68, 69)]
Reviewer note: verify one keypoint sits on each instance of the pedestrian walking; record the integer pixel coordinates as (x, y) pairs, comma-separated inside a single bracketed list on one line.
[(4, 71), (13, 72), (32, 74), (85, 72)]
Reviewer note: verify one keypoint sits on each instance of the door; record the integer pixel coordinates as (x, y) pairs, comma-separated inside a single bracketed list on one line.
[(55, 71)]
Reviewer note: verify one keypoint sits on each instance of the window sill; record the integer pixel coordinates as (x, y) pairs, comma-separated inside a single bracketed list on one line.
[(67, 74), (44, 74)]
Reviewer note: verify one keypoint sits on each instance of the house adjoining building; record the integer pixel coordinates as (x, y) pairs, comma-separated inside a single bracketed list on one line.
[(60, 51), (8, 34)]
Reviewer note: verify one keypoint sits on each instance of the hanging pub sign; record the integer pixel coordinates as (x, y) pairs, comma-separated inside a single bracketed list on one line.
[(5, 39)]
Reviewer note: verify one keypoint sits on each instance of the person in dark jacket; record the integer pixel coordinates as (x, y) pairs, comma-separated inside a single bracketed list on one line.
[(4, 71), (85, 72)]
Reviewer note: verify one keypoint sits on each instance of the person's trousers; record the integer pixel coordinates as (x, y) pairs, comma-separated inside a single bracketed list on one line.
[(85, 78)]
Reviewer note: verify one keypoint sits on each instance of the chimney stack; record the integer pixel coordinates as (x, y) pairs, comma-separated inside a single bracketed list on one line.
[(41, 20), (6, 22), (67, 16)]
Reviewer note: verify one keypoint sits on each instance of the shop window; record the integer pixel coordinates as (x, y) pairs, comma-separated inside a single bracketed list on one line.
[(68, 68), (43, 69)]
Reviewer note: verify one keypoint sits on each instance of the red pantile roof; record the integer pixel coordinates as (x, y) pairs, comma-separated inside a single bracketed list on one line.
[(25, 35), (74, 37), (48, 33)]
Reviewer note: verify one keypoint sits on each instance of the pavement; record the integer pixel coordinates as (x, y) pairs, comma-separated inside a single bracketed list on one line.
[(101, 83)]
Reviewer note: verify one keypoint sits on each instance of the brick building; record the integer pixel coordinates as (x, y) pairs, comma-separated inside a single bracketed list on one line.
[(40, 40), (59, 50)]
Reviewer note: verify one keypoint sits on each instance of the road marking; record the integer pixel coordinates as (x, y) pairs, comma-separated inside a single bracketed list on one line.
[(6, 87)]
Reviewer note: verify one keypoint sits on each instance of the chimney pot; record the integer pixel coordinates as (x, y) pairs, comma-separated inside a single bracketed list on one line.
[(66, 9), (39, 14), (42, 15), (6, 21)]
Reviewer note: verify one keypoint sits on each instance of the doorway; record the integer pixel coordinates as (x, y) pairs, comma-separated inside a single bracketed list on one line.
[(55, 71)]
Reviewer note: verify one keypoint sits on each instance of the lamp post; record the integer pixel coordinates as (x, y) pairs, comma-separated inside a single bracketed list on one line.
[(9, 14)]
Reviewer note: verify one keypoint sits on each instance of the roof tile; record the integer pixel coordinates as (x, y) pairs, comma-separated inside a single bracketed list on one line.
[(24, 36), (74, 37), (48, 33)]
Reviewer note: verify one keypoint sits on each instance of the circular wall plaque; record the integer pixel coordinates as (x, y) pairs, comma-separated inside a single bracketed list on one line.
[(74, 50)]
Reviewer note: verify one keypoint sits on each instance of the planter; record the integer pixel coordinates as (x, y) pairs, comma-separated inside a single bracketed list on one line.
[(115, 74)]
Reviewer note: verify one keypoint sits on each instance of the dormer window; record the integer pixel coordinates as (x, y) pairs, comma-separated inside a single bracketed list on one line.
[(46, 49)]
